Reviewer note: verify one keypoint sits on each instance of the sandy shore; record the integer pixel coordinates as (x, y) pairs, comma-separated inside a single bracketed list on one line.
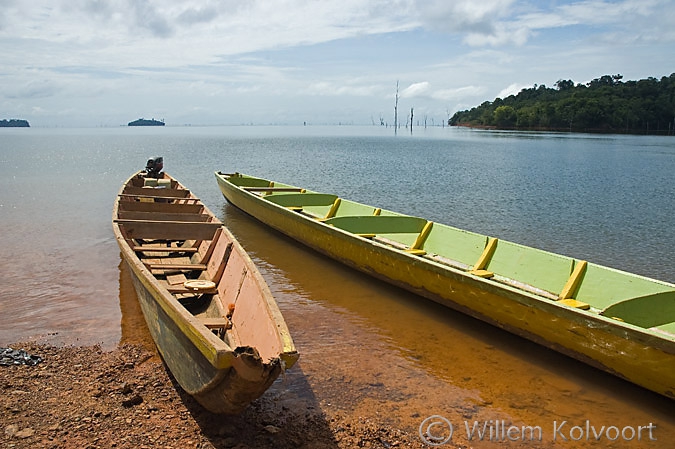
[(84, 397)]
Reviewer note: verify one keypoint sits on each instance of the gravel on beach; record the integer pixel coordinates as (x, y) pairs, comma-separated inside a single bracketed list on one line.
[(85, 397)]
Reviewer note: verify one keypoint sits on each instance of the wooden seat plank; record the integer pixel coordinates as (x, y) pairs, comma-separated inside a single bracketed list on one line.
[(215, 323), (176, 266), (180, 289), (174, 208), (162, 193), (161, 216), (159, 197), (169, 230), (164, 249), (176, 279)]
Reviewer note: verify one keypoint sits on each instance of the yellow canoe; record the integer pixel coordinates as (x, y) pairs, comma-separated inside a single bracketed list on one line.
[(616, 321)]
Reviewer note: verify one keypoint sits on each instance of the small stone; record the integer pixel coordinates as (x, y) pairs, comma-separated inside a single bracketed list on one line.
[(272, 429), (11, 430), (133, 400), (25, 433)]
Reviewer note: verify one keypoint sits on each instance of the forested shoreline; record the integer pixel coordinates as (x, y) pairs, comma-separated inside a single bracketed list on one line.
[(606, 104), (14, 123)]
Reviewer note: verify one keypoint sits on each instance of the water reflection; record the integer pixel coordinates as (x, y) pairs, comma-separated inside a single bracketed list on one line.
[(363, 344), (134, 330), (401, 348)]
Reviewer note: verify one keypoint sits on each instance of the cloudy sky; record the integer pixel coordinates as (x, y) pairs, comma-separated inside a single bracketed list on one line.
[(107, 62)]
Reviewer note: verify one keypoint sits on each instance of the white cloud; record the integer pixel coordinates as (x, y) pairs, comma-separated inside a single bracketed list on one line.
[(332, 88), (505, 22), (592, 12), (194, 55), (416, 90), (463, 15), (502, 34), (459, 93), (513, 89)]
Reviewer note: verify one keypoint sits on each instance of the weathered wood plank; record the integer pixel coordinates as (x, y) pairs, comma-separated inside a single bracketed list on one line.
[(174, 208), (177, 266), (176, 279), (180, 290), (165, 249), (161, 198), (169, 230), (164, 193), (215, 323), (162, 216)]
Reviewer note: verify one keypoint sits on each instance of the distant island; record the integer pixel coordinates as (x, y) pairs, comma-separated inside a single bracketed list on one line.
[(604, 105), (14, 123), (144, 122)]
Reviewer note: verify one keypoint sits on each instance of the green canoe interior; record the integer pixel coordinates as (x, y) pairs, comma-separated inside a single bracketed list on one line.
[(631, 298)]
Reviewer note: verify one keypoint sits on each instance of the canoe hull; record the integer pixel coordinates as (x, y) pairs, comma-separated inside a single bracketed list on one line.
[(220, 390), (222, 378), (647, 359)]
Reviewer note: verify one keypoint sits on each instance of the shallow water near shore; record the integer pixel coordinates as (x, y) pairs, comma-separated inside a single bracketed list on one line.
[(366, 348)]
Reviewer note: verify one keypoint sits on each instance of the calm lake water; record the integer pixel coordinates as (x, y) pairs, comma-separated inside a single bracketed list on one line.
[(364, 345)]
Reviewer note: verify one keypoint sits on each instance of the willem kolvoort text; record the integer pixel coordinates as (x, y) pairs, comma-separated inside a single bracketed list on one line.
[(500, 430)]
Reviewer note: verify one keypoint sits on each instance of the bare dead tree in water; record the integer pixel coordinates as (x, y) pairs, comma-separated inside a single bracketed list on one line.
[(396, 110), (411, 120)]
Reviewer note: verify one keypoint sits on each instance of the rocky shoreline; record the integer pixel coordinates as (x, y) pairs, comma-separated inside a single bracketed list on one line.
[(84, 397)]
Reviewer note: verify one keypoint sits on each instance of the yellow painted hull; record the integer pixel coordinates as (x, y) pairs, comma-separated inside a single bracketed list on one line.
[(639, 355)]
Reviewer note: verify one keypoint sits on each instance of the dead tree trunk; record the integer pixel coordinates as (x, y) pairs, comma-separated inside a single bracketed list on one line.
[(396, 110)]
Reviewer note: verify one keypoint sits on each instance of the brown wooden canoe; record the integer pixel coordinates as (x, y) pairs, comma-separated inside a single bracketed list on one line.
[(207, 307)]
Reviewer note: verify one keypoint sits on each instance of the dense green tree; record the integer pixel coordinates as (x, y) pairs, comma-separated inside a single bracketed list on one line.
[(505, 116), (605, 104), (564, 84)]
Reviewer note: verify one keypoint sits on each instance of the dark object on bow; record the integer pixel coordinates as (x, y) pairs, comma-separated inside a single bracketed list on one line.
[(154, 167)]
